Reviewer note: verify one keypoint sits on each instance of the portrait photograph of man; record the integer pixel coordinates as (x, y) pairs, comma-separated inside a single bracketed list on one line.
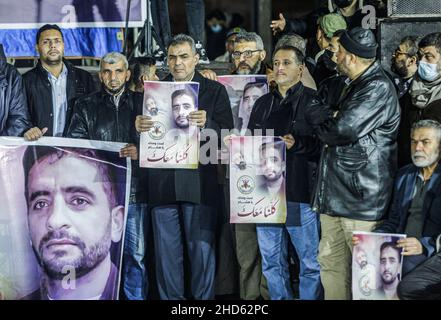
[(75, 210)]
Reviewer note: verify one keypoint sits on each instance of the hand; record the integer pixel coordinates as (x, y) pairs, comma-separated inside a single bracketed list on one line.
[(289, 141), (209, 74), (227, 140), (143, 123), (355, 241), (278, 25), (34, 133), (129, 151), (411, 246), (198, 118)]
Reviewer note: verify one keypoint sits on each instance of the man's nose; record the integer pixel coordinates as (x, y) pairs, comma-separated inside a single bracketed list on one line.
[(58, 215)]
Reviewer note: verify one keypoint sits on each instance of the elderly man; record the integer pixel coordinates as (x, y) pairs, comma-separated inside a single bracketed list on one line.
[(355, 179), (183, 201), (108, 115)]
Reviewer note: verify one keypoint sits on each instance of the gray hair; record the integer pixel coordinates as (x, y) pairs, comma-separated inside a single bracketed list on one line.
[(293, 40), (249, 37), (114, 57), (181, 39), (428, 124)]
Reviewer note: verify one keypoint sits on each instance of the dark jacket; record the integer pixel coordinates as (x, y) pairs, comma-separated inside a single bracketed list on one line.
[(287, 116), (200, 186), (95, 117), (402, 199), (410, 115), (358, 161), (39, 94), (14, 116)]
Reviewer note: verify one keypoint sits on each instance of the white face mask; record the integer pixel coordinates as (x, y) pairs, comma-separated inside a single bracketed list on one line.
[(428, 71)]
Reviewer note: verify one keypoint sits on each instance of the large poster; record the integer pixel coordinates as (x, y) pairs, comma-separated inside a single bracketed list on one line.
[(243, 91), (257, 180), (64, 205), (28, 14), (376, 266), (173, 142)]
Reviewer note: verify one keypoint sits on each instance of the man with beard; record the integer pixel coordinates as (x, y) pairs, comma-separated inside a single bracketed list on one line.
[(183, 103), (251, 92), (248, 54), (424, 98), (73, 220), (415, 210), (108, 115), (390, 263), (357, 165), (364, 271), (53, 86), (272, 168)]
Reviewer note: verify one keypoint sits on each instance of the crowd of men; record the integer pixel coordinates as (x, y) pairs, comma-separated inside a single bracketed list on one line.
[(363, 148)]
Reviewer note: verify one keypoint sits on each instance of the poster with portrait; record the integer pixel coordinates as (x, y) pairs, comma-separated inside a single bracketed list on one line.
[(376, 266), (243, 91), (64, 208), (257, 180), (173, 142)]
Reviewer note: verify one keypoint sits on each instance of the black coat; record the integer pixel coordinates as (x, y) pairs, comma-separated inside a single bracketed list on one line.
[(358, 161), (287, 116), (200, 186), (14, 116), (39, 94)]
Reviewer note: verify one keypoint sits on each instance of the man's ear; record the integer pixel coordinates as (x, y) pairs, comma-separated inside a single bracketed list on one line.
[(262, 55), (128, 75), (196, 58), (117, 223)]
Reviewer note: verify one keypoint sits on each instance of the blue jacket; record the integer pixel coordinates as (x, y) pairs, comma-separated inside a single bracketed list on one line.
[(14, 116), (402, 199)]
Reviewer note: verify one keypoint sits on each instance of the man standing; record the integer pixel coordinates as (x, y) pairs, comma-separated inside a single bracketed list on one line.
[(184, 201), (108, 115), (53, 85), (283, 112), (14, 116), (357, 166)]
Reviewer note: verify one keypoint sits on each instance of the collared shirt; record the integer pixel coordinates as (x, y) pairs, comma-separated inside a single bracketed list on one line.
[(59, 100), (415, 218)]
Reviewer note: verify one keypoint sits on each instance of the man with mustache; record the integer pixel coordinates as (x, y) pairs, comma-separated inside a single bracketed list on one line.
[(183, 103), (390, 264), (74, 215), (53, 86), (415, 209), (248, 54)]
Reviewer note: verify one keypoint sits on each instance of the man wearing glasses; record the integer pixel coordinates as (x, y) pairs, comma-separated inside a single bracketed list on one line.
[(248, 54)]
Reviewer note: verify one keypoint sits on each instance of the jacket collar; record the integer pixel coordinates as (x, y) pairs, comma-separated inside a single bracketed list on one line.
[(196, 78), (107, 97), (292, 92), (372, 69), (2, 59)]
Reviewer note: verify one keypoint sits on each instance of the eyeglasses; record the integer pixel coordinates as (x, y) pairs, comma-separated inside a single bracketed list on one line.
[(246, 53)]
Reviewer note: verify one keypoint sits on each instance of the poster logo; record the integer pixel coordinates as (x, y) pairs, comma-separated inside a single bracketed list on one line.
[(158, 131), (245, 184)]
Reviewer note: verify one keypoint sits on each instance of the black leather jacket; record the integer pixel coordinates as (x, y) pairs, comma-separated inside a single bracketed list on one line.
[(14, 116), (95, 117), (358, 161), (39, 94)]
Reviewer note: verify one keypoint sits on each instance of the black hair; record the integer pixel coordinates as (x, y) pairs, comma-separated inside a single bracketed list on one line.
[(48, 27), (300, 57), (432, 39)]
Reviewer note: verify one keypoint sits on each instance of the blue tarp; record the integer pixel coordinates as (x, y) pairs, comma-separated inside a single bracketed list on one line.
[(78, 42)]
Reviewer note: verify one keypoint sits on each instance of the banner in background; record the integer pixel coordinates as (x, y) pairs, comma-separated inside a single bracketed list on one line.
[(257, 180), (32, 14), (64, 207), (173, 142), (376, 266)]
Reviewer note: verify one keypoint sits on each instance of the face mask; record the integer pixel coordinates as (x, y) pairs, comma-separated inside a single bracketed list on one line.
[(216, 28), (343, 3), (428, 71)]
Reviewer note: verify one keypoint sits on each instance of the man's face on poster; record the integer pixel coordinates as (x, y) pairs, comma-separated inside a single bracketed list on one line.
[(71, 219), (271, 163), (151, 107), (249, 98), (182, 105), (362, 259), (389, 265)]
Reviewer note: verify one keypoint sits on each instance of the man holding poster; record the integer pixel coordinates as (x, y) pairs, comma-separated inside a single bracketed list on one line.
[(282, 112), (184, 201)]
